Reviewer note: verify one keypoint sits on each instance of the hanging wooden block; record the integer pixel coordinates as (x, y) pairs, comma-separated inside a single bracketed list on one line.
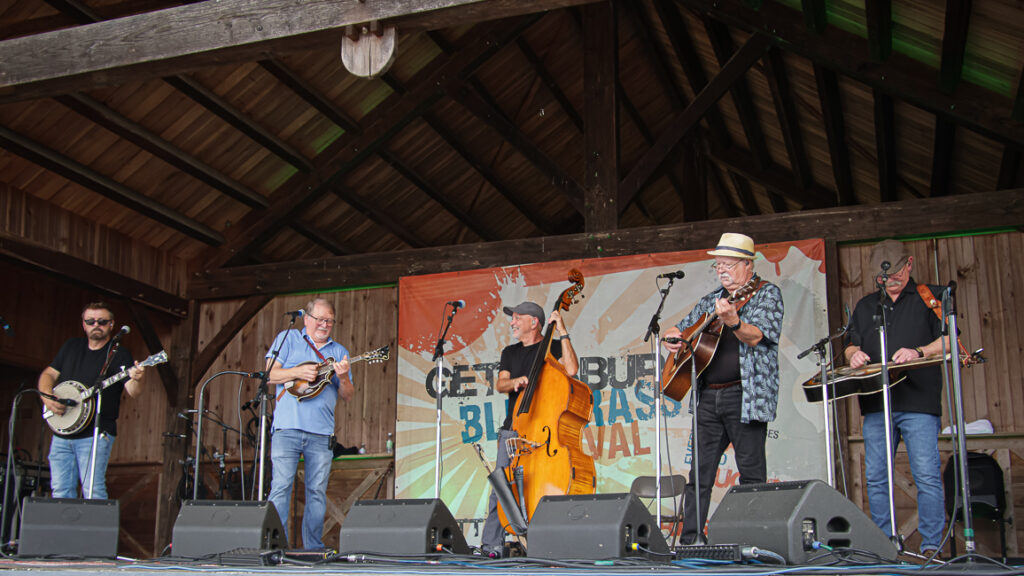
[(368, 50)]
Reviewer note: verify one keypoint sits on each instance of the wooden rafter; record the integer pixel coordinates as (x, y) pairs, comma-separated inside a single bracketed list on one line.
[(380, 216), (347, 152), (107, 187), (79, 271), (779, 182), (311, 95), (681, 123), (778, 82), (815, 17), (900, 76), (885, 145), (550, 82), (835, 131), (321, 238), (716, 185), (137, 134), (245, 313), (878, 15), (942, 157), (601, 125), (984, 210), (954, 43), (216, 32), (149, 335)]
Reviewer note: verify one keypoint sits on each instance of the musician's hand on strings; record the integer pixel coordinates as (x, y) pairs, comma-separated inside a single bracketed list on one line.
[(905, 355), (859, 358), (520, 383), (727, 312), (135, 372), (341, 368), (673, 332), (305, 372), (54, 406)]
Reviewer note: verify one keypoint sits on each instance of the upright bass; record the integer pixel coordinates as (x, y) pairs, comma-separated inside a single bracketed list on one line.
[(546, 456)]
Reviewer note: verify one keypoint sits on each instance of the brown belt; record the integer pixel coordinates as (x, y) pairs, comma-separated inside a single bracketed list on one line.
[(723, 385)]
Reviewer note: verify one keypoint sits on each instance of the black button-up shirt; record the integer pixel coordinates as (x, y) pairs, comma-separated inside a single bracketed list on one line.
[(909, 324)]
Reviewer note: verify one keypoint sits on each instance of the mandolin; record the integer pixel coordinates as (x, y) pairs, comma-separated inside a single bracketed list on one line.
[(700, 341), (304, 389)]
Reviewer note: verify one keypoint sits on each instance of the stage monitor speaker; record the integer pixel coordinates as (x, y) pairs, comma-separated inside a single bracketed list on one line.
[(69, 527), (594, 527), (411, 527), (788, 517), (207, 527)]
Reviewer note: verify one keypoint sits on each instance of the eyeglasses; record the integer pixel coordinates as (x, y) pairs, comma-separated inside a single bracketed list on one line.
[(717, 266), (100, 321), (324, 321)]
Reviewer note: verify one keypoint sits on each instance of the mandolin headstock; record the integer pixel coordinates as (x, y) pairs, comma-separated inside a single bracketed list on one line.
[(568, 297)]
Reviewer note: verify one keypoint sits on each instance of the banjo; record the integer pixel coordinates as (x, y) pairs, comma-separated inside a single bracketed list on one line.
[(79, 414)]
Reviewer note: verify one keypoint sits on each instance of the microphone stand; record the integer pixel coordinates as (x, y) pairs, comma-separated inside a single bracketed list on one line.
[(439, 358), (199, 431), (261, 397), (655, 329), (98, 388), (823, 348), (7, 531), (950, 329), (887, 407)]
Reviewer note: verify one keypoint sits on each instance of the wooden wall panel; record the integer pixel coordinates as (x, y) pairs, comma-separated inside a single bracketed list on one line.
[(988, 269)]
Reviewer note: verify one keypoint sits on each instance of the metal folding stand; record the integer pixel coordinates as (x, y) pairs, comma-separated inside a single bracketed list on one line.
[(654, 328), (199, 429), (887, 408), (823, 349), (950, 329), (439, 358)]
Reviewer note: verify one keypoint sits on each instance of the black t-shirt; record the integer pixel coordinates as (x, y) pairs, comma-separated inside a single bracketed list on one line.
[(75, 361), (518, 360), (909, 324), (725, 364)]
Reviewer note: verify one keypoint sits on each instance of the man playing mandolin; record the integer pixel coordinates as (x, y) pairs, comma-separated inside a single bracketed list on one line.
[(913, 331), (527, 323), (738, 390), (80, 360), (304, 425)]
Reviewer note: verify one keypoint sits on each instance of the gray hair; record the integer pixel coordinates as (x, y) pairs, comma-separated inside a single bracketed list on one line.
[(312, 304)]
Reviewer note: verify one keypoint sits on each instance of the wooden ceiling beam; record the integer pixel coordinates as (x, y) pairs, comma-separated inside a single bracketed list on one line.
[(942, 157), (245, 313), (472, 100), (721, 44), (319, 237), (885, 146), (954, 43), (742, 186), (135, 133), (835, 131), (417, 180), (985, 210), (233, 116), (900, 76), (601, 125), (691, 162), (140, 315), (775, 179), (782, 96), (681, 123), (107, 187), (661, 67), (815, 15), (380, 216), (648, 136), (347, 152), (216, 32), (311, 95), (101, 279), (692, 65), (878, 16), (1011, 169), (550, 82), (717, 185)]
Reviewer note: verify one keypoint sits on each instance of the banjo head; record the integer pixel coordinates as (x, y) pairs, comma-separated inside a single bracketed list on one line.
[(74, 418)]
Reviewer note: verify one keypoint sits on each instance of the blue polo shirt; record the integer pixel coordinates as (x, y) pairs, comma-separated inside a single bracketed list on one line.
[(313, 415)]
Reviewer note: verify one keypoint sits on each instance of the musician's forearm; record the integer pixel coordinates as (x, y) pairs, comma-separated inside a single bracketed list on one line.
[(749, 334), (47, 380), (850, 351), (133, 387), (934, 348), (569, 359)]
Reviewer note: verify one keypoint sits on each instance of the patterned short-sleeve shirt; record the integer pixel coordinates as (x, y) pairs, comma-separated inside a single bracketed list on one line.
[(759, 365)]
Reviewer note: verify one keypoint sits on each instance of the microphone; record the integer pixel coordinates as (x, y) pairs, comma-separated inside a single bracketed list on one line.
[(120, 333), (677, 275), (457, 304), (951, 287), (6, 327), (296, 314), (256, 374), (672, 340)]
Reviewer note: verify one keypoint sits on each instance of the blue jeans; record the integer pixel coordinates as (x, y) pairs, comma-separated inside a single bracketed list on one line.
[(69, 465), (921, 433), (285, 448)]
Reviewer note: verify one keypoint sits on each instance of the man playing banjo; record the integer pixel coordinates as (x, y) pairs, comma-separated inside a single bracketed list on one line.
[(80, 360)]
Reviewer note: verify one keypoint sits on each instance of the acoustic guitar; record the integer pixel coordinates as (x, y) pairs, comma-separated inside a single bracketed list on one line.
[(846, 381), (79, 414), (304, 389), (700, 341)]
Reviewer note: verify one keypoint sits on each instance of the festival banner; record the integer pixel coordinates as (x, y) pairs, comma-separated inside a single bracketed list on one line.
[(607, 326)]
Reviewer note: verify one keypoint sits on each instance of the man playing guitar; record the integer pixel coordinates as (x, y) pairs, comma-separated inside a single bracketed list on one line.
[(738, 389), (80, 360)]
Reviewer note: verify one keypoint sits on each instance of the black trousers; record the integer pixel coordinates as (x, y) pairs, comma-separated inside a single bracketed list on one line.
[(718, 424)]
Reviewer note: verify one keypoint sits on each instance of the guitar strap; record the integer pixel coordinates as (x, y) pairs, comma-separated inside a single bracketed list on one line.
[(931, 302)]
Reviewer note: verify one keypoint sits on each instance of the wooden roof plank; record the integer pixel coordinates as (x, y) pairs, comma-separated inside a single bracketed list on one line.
[(835, 131), (785, 110), (685, 120), (550, 82), (954, 43), (137, 134), (878, 18), (108, 187), (985, 210), (179, 39)]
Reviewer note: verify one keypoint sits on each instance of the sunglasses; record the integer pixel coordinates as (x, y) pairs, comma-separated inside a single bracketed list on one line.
[(100, 321)]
